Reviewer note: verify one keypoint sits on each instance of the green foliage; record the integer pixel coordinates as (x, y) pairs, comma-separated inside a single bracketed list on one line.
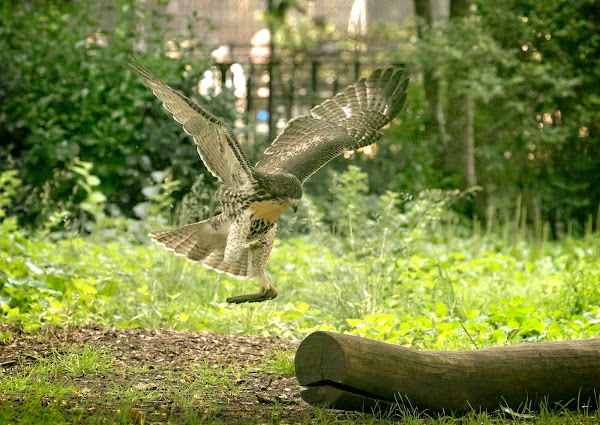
[(68, 101), (283, 363), (531, 68), (551, 101), (5, 337), (409, 272), (10, 185)]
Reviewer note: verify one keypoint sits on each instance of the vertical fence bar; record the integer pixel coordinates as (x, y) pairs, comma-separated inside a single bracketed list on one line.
[(223, 67), (270, 100), (290, 94), (250, 105), (292, 91), (314, 82), (356, 69), (270, 64)]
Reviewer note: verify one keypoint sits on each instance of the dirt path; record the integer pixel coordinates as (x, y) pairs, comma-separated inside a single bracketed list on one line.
[(157, 376)]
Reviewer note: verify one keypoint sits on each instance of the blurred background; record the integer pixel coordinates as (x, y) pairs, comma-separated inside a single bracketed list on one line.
[(503, 105)]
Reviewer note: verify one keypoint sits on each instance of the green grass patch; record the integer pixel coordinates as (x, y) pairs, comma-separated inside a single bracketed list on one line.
[(283, 363)]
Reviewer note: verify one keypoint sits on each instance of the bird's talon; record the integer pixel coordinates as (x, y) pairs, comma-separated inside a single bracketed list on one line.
[(264, 295)]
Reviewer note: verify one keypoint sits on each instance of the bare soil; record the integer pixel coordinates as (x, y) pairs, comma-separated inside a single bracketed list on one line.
[(168, 373)]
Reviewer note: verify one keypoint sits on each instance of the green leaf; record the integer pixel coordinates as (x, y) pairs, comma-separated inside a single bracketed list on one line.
[(355, 323), (88, 289), (441, 309)]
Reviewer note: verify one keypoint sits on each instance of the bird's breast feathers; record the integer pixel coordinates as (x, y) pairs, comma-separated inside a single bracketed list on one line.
[(268, 210)]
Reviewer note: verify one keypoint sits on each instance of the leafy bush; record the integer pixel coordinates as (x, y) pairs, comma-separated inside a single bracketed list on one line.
[(68, 101), (10, 185), (530, 67)]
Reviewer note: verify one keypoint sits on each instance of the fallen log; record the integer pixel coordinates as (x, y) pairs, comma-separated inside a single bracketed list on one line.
[(352, 373)]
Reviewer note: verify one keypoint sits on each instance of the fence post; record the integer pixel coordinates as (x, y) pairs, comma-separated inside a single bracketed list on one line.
[(314, 82), (250, 105), (270, 64)]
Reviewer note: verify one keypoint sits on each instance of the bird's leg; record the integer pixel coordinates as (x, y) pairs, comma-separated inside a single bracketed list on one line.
[(267, 292), (259, 250)]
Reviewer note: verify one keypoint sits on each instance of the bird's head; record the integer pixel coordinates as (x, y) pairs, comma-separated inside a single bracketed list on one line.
[(291, 191), (281, 186), (293, 202)]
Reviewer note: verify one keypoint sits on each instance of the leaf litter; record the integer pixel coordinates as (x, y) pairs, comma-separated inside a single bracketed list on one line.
[(156, 376)]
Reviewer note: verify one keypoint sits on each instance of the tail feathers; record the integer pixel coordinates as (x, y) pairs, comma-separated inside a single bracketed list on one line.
[(237, 267), (195, 241), (201, 242)]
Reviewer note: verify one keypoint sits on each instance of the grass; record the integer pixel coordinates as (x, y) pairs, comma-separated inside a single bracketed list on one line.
[(45, 386), (54, 390), (74, 361), (283, 363), (417, 277), (414, 296)]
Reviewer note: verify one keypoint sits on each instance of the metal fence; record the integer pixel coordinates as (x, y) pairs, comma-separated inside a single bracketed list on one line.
[(270, 91)]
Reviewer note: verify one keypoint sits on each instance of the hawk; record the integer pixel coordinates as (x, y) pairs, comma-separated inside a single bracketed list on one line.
[(238, 241)]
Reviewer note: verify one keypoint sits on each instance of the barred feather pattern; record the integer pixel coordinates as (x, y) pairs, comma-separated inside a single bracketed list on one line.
[(350, 120), (198, 242), (226, 248), (216, 144)]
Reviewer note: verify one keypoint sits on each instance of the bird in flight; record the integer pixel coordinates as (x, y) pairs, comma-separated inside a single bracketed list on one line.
[(238, 241)]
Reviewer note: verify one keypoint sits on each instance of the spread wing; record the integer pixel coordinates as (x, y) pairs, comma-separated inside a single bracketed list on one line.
[(350, 120), (215, 141)]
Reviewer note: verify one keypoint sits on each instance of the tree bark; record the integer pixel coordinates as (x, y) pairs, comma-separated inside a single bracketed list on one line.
[(460, 152), (353, 373), (460, 138), (435, 117)]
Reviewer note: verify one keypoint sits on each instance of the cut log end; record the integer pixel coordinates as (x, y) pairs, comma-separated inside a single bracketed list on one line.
[(321, 359)]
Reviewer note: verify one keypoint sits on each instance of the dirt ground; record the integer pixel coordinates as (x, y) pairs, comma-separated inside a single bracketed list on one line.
[(165, 369)]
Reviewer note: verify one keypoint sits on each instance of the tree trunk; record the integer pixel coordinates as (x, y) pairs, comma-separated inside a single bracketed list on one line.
[(435, 117), (460, 151), (353, 373), (460, 146)]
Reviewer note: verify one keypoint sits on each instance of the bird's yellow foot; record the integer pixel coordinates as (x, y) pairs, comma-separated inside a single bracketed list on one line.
[(267, 293)]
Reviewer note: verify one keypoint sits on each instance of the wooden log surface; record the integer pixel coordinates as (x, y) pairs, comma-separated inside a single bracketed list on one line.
[(353, 373)]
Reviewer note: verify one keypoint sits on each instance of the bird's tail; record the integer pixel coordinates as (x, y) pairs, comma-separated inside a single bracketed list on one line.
[(203, 242)]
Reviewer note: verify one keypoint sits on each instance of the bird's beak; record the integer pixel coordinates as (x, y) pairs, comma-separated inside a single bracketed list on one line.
[(294, 208)]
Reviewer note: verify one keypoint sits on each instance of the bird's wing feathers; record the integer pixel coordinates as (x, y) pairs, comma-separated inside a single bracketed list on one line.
[(350, 120), (305, 145), (215, 141)]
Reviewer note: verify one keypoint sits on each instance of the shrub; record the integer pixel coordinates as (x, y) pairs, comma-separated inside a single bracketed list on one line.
[(68, 100)]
